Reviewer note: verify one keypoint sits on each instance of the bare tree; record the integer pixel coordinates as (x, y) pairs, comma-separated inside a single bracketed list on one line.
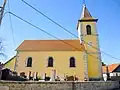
[(2, 55), (2, 50)]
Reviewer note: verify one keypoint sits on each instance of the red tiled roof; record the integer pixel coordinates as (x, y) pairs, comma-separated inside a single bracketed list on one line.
[(111, 68), (51, 45)]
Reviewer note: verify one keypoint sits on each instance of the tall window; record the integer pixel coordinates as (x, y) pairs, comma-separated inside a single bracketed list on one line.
[(50, 62), (72, 62), (88, 28), (29, 62)]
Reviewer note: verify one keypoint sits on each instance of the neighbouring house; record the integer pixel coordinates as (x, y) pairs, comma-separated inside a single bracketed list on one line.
[(112, 70), (63, 58), (10, 63)]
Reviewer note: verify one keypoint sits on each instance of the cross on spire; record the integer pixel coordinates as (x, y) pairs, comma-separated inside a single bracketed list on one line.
[(85, 12), (84, 2)]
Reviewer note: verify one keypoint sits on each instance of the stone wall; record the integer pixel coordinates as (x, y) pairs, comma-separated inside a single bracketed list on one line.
[(7, 85)]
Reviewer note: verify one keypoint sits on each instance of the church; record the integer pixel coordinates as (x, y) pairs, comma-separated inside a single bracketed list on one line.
[(79, 57)]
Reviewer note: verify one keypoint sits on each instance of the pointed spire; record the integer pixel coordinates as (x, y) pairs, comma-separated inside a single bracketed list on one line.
[(85, 12)]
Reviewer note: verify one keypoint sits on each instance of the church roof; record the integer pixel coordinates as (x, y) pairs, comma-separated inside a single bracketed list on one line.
[(85, 13), (51, 45)]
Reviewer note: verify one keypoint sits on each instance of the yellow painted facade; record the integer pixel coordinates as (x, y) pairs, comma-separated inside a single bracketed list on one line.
[(11, 63), (88, 62), (61, 63), (94, 62)]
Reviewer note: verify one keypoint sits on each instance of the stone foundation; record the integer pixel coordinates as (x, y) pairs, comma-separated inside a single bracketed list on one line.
[(94, 85)]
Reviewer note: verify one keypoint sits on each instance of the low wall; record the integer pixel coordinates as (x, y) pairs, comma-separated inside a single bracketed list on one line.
[(94, 85)]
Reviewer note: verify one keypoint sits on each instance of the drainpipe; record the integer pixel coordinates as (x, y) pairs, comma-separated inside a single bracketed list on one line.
[(86, 78), (107, 72)]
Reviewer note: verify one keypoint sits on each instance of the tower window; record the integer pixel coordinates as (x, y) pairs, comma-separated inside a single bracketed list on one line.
[(50, 62), (29, 62), (72, 62), (88, 28)]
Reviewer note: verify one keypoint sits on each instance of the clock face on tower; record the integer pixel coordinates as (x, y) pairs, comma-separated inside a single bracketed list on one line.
[(90, 43)]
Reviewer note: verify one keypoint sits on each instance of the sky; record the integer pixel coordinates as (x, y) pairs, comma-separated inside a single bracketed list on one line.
[(66, 13)]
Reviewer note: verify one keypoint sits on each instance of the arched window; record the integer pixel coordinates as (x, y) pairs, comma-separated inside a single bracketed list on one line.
[(29, 62), (50, 62), (88, 29), (72, 62)]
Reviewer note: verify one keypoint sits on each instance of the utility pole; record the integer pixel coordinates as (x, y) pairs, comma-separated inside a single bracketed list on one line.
[(1, 16), (2, 11)]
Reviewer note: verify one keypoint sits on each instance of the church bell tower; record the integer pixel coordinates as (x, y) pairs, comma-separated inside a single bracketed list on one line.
[(87, 33)]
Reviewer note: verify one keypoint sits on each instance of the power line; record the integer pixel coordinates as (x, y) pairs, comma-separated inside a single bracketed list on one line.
[(50, 19), (37, 28), (41, 29), (11, 25), (67, 29), (46, 32)]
